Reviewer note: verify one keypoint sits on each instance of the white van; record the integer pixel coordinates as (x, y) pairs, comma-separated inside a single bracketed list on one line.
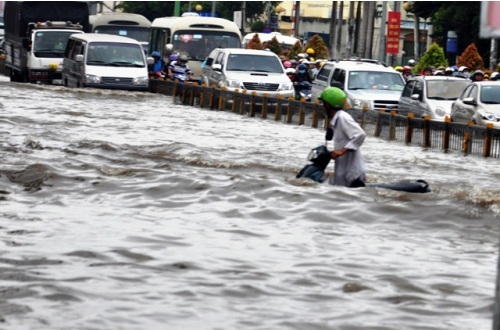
[(105, 61)]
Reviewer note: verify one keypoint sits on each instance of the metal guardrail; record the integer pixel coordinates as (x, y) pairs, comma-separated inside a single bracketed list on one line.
[(445, 136)]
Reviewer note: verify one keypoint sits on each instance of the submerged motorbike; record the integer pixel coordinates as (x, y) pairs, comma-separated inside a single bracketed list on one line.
[(320, 158)]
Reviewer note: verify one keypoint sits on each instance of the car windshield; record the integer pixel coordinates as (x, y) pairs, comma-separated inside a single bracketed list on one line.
[(490, 94), (392, 81), (445, 89), (247, 62), (115, 54), (51, 43)]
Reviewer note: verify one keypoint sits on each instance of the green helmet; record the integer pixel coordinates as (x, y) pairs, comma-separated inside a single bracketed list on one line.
[(334, 96)]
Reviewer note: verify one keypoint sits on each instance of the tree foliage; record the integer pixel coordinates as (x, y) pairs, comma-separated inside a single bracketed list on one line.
[(433, 57), (295, 50), (274, 46), (471, 58), (258, 26), (319, 47), (224, 9), (463, 17)]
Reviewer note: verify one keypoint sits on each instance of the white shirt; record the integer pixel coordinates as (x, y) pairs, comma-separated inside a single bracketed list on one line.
[(347, 134)]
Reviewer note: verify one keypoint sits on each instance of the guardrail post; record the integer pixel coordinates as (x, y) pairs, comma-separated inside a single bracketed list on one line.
[(392, 126), (314, 119), (212, 95), (242, 102), (362, 120), (487, 140), (427, 131), (264, 106), (277, 112), (235, 98), (221, 98), (409, 129), (446, 134), (378, 125), (202, 94), (301, 111), (466, 144), (252, 101), (289, 112)]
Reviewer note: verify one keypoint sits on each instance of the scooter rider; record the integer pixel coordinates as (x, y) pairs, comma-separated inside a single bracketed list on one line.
[(348, 137), (302, 77), (179, 68)]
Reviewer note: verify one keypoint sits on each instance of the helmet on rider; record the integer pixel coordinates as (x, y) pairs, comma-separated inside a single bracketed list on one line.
[(411, 62), (183, 59), (302, 66), (398, 68), (287, 64), (334, 96), (173, 57), (310, 51), (156, 54), (407, 68)]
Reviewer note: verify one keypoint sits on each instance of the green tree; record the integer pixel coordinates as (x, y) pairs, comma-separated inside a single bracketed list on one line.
[(258, 26), (319, 47), (224, 9), (463, 17), (433, 57), (471, 58)]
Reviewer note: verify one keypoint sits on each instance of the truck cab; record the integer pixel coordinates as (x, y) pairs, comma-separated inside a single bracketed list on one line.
[(45, 50)]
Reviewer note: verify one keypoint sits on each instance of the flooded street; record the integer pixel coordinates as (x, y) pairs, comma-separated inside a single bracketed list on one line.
[(127, 210)]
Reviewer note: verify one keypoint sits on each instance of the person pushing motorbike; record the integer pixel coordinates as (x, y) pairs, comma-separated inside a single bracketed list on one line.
[(348, 137)]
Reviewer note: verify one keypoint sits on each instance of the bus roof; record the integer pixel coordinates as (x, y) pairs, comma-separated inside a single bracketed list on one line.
[(198, 23), (114, 18)]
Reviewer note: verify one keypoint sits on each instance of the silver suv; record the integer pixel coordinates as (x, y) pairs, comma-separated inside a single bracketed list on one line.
[(247, 69), (366, 83)]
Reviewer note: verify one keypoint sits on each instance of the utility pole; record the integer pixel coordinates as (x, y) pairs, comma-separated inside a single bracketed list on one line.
[(350, 29), (371, 20), (214, 4), (333, 22), (297, 19), (382, 39), (243, 17), (340, 19)]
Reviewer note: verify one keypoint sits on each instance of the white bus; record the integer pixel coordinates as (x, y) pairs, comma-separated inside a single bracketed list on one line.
[(194, 36), (286, 41), (134, 26)]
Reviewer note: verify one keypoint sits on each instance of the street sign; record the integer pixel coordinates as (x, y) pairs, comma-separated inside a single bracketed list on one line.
[(393, 31)]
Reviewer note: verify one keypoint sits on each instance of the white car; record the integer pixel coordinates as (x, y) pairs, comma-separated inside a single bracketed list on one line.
[(479, 103), (431, 96), (252, 70), (367, 83)]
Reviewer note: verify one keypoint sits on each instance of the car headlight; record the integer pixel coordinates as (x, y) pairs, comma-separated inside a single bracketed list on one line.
[(361, 104), (440, 111), (488, 116), (233, 83), (141, 81), (287, 86), (91, 79)]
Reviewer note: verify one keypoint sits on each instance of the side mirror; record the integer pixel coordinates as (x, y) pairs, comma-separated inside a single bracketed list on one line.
[(79, 58), (217, 67), (26, 44), (470, 101), (150, 60), (415, 97)]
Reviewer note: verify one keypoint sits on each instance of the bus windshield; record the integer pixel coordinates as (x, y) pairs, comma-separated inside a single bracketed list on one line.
[(198, 44), (138, 33)]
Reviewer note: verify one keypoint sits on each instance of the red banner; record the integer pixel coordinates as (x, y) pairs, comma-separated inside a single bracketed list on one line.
[(393, 31)]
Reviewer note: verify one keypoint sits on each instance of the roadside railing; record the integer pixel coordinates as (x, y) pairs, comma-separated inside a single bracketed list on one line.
[(445, 136)]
